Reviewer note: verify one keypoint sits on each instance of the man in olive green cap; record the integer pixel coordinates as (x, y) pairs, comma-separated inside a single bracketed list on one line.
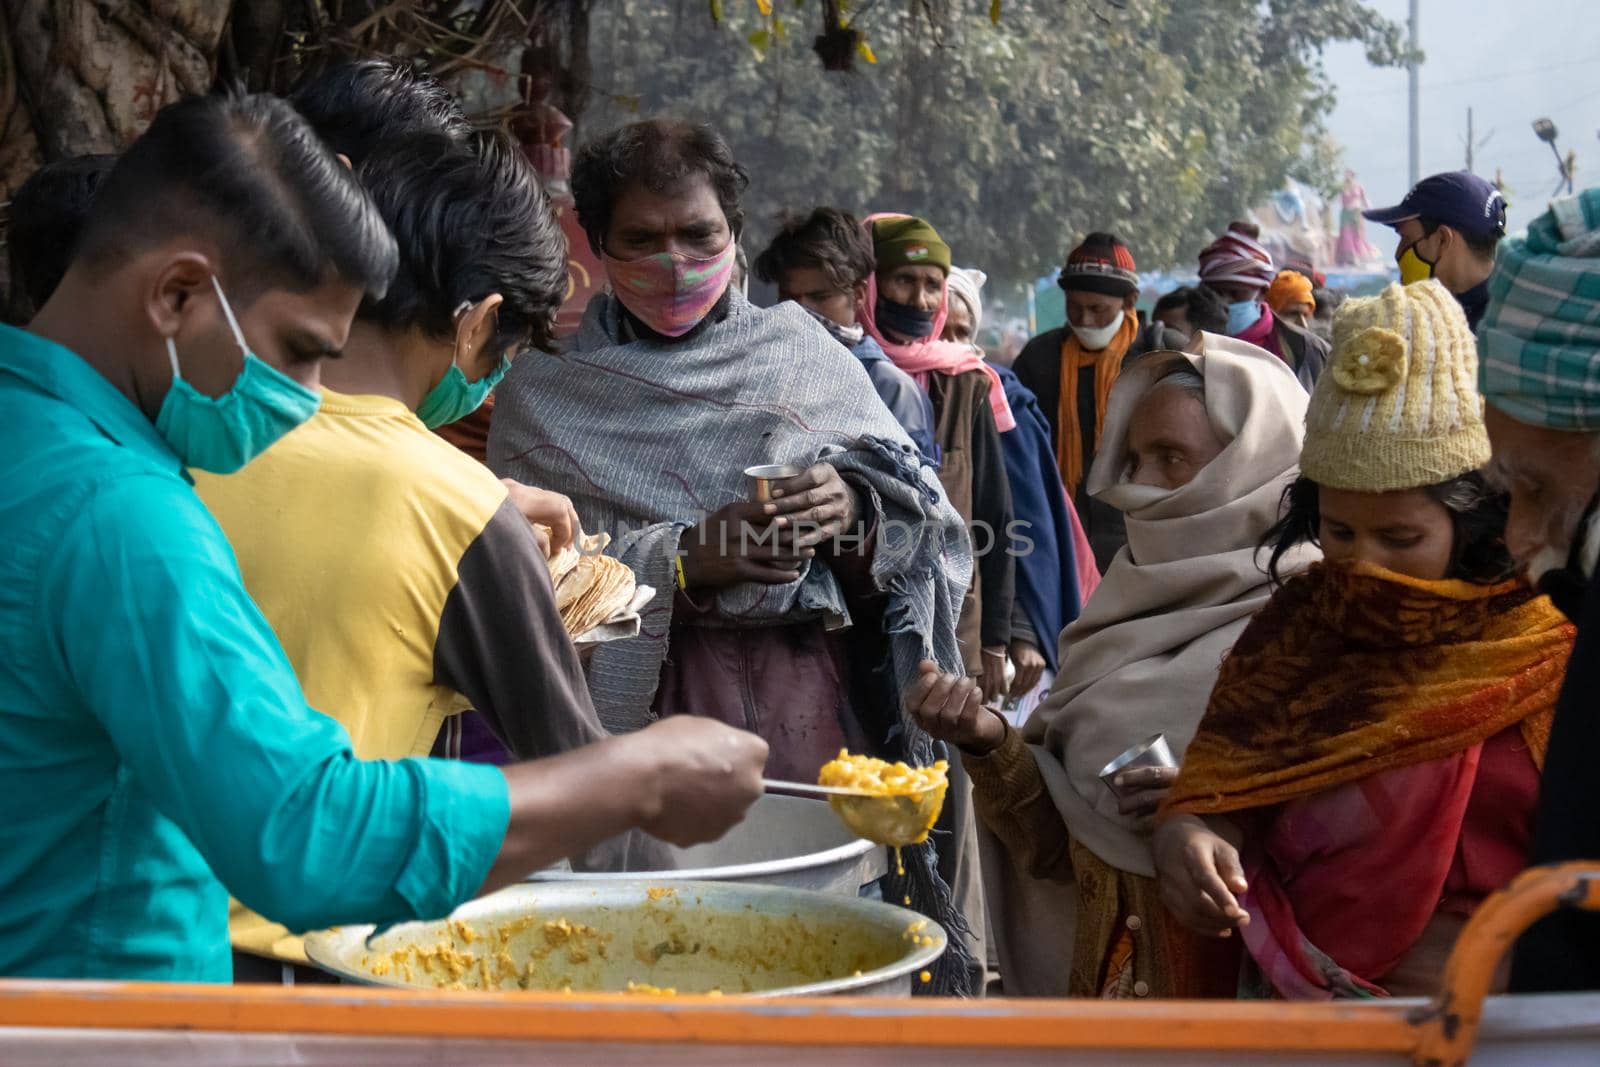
[(904, 310), (913, 264)]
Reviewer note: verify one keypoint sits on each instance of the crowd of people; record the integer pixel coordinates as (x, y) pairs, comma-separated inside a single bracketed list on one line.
[(278, 654)]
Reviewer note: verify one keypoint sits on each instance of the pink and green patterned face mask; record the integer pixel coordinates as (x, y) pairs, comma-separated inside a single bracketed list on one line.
[(671, 292)]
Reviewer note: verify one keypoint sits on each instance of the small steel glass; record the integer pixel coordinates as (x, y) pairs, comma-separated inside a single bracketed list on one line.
[(758, 480), (1151, 752)]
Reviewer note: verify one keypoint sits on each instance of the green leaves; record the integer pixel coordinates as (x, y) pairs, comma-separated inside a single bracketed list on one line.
[(1159, 120)]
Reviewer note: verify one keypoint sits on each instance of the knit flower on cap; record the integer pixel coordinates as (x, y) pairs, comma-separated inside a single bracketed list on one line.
[(1398, 407), (1373, 362)]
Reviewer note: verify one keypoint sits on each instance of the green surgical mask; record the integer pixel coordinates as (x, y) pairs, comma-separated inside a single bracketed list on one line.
[(455, 398), (222, 434)]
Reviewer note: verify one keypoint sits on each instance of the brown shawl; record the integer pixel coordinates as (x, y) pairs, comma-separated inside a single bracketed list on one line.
[(1353, 670)]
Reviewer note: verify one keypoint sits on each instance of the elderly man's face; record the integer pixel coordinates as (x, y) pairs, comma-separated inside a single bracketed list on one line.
[(1094, 311), (1551, 476), (686, 220), (921, 287)]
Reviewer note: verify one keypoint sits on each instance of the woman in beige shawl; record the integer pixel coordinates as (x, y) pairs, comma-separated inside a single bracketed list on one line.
[(1198, 449)]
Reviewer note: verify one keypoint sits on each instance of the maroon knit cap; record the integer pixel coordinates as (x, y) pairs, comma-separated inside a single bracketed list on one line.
[(1102, 264)]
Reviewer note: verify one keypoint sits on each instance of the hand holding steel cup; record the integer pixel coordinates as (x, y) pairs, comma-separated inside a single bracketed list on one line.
[(1140, 777), (760, 480), (762, 487), (814, 507)]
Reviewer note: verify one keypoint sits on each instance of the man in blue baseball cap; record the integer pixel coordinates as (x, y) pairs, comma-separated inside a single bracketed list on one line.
[(1449, 226)]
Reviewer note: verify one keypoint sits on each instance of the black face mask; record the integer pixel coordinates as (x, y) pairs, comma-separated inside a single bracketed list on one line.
[(1568, 587), (903, 320)]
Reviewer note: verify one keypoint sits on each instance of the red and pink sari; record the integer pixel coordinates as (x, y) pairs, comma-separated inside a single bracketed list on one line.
[(1378, 738)]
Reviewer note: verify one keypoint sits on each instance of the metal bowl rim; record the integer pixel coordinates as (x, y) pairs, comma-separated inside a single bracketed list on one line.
[(773, 472), (920, 958), (853, 850)]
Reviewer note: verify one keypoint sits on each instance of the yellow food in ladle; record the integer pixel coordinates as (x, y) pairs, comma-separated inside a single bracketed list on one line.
[(900, 805)]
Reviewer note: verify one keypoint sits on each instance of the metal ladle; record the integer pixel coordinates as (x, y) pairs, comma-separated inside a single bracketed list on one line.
[(895, 820)]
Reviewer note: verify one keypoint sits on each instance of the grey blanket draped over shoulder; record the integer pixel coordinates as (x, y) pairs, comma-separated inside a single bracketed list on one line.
[(648, 438)]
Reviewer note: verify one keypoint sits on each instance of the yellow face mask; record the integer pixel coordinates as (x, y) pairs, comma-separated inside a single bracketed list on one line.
[(1413, 268)]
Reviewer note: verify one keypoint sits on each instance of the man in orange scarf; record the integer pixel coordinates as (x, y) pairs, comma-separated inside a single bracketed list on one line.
[(1072, 369)]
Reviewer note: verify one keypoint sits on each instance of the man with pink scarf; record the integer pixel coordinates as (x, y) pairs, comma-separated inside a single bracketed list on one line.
[(1239, 269), (811, 619), (904, 310)]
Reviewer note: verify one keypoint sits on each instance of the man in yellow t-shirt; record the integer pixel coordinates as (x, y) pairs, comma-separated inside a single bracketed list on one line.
[(404, 584)]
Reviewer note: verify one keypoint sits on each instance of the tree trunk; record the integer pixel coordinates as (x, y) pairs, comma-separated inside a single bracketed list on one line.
[(81, 76), (90, 74)]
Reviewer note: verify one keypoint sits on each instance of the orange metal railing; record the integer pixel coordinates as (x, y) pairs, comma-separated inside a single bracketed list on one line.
[(1449, 1025), (1440, 1035)]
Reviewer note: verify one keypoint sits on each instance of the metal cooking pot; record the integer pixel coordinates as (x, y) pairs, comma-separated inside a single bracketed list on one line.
[(788, 841), (691, 937)]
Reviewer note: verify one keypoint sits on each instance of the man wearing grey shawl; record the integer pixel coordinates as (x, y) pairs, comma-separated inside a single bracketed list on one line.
[(648, 419)]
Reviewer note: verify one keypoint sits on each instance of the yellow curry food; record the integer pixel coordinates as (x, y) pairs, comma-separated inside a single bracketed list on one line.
[(900, 803), (663, 947)]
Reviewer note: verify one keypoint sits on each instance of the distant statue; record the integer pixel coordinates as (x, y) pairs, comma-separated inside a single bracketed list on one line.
[(1290, 205), (1353, 247), (1293, 221)]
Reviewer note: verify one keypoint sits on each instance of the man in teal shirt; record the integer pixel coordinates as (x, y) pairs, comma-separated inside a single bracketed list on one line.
[(154, 744)]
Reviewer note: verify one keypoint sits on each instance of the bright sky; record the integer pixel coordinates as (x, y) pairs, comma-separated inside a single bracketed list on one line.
[(1511, 61)]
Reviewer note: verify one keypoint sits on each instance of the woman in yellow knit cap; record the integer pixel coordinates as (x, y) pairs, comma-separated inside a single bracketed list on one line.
[(1368, 765)]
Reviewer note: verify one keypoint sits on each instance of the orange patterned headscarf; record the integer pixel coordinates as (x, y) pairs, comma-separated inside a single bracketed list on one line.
[(1107, 365), (1353, 670)]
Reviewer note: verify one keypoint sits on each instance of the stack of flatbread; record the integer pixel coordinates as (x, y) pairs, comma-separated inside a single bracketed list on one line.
[(596, 594)]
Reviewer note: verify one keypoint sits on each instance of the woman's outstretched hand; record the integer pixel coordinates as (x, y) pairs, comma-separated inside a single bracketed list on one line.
[(951, 709), (1200, 876)]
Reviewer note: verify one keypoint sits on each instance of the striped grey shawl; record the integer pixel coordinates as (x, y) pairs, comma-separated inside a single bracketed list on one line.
[(647, 438)]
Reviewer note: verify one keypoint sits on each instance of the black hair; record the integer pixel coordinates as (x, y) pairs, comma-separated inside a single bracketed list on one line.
[(828, 240), (471, 219), (48, 212), (1203, 308), (1477, 516), (250, 174), (357, 104), (1481, 245), (659, 154)]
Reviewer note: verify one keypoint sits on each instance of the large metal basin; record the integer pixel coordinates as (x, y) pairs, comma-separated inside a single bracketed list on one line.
[(691, 937), (788, 841)]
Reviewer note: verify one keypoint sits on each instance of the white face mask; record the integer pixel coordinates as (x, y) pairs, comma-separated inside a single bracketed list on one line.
[(1094, 340), (1130, 497)]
